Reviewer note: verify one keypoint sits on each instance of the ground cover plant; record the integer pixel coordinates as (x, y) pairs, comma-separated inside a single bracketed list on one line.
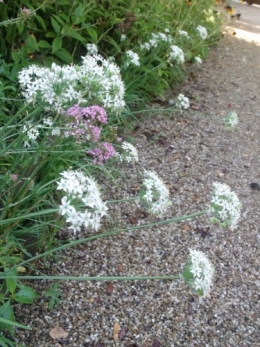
[(71, 74)]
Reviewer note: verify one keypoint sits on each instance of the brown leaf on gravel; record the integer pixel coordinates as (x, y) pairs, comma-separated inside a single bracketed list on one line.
[(133, 220), (119, 267), (110, 288), (58, 333), (116, 331), (185, 227)]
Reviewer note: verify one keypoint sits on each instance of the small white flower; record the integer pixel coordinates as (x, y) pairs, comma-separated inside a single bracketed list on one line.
[(154, 194), (198, 272), (225, 206), (184, 33), (66, 207), (198, 60), (182, 102), (32, 134), (48, 121), (55, 131), (92, 49), (231, 120), (202, 32), (123, 37)]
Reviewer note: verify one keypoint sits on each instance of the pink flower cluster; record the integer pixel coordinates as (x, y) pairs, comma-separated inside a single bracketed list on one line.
[(102, 153), (84, 122)]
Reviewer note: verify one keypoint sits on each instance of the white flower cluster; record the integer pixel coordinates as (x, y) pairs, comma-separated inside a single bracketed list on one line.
[(133, 58), (225, 206), (202, 32), (130, 153), (231, 120), (182, 102), (176, 54), (198, 272), (156, 39), (80, 189), (32, 132), (96, 81), (154, 194), (198, 60), (184, 33)]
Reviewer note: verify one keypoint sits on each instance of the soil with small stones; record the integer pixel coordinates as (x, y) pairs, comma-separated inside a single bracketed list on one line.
[(189, 151)]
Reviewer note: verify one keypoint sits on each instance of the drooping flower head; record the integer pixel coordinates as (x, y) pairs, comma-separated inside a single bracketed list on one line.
[(182, 102), (225, 206), (132, 58), (80, 190), (176, 55), (198, 60), (129, 154), (154, 195), (202, 32), (198, 273), (231, 120)]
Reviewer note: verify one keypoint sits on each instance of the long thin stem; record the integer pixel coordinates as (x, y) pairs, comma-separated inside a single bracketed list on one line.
[(95, 278), (109, 234)]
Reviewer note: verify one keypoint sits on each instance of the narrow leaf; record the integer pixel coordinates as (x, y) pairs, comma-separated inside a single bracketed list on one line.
[(55, 25), (11, 282)]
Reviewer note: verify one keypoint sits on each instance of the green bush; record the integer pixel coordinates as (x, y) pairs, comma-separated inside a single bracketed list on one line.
[(58, 31)]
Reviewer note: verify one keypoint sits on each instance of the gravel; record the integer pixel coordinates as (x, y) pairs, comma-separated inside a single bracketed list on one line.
[(189, 151)]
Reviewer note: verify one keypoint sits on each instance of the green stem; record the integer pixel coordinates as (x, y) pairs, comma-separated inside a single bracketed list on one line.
[(109, 234), (122, 200), (95, 278)]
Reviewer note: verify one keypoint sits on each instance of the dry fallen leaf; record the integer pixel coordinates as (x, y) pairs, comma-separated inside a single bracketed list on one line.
[(116, 330), (185, 227), (58, 333), (110, 288)]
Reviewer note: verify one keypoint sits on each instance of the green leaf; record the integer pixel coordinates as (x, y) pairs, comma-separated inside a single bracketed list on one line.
[(55, 25), (31, 43), (56, 44), (58, 19), (6, 312), (41, 21), (53, 293), (64, 55), (11, 282), (92, 33), (75, 35), (25, 295), (43, 44), (50, 34), (15, 324)]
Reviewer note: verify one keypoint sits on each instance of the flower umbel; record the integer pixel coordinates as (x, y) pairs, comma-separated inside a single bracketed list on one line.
[(198, 273), (202, 32), (82, 204), (154, 195), (129, 154), (231, 120), (176, 54), (182, 102), (225, 206)]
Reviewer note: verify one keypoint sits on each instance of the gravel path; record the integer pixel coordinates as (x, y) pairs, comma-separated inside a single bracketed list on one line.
[(189, 151)]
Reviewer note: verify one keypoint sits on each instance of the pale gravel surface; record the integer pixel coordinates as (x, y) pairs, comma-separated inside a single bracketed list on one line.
[(189, 151)]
